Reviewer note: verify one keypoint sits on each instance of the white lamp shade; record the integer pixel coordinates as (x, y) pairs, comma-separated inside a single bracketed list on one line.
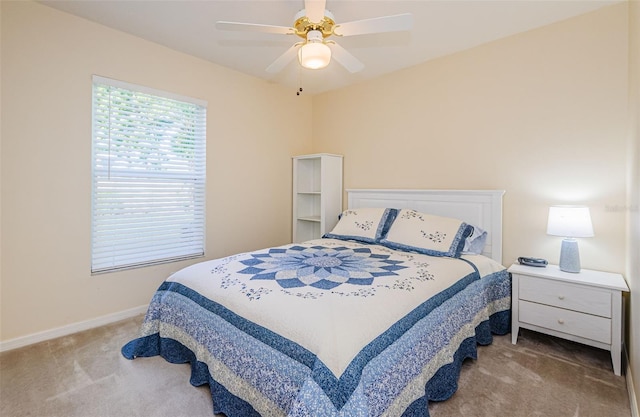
[(314, 55), (569, 221)]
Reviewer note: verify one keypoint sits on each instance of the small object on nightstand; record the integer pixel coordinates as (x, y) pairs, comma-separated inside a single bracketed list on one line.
[(539, 262)]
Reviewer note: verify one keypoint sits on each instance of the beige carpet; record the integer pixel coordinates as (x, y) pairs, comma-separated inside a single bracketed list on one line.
[(84, 375)]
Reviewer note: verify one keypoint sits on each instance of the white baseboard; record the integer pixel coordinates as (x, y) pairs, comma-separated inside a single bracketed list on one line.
[(633, 401), (71, 328)]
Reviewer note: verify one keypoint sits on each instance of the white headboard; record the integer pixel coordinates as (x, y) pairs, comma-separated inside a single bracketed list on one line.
[(482, 208)]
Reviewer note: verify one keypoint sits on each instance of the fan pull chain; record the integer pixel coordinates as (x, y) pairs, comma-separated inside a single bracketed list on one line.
[(299, 81)]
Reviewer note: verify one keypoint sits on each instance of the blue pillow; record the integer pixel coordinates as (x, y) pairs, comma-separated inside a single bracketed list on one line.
[(476, 241)]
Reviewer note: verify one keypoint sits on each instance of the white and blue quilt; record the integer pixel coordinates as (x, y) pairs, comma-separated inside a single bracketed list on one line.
[(327, 327)]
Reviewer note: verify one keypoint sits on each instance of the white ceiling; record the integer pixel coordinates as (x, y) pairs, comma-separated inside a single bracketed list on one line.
[(440, 27)]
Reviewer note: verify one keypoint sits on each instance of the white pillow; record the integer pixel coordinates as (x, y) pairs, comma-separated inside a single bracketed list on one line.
[(426, 233), (363, 224)]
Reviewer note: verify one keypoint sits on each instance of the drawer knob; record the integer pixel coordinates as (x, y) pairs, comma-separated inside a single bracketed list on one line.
[(560, 321), (561, 297)]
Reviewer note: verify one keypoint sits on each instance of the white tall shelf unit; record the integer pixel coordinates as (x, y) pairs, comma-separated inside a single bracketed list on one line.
[(317, 195)]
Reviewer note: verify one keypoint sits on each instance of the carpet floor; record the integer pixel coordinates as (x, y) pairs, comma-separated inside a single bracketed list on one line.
[(84, 375)]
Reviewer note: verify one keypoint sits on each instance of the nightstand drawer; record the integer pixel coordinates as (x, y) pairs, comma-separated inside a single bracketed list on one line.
[(566, 321), (566, 295)]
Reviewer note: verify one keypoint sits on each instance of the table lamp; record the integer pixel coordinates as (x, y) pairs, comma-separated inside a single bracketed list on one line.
[(569, 222)]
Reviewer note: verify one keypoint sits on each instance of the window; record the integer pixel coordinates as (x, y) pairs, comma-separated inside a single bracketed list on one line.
[(148, 176)]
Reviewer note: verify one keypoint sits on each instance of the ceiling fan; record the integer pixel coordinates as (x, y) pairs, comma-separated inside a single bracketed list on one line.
[(315, 25)]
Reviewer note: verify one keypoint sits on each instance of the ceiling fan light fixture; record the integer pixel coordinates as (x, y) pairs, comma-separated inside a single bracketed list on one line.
[(314, 54)]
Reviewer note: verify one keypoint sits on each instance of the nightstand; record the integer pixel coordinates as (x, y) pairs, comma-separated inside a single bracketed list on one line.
[(585, 307)]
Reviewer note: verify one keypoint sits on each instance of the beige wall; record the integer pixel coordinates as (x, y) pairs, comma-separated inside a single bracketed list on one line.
[(633, 252), (0, 170), (48, 58), (541, 114)]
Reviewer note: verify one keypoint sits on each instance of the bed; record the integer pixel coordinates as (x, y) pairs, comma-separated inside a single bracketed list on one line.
[(373, 319)]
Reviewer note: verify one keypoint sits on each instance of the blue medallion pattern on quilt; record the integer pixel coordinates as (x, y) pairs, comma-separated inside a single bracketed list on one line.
[(319, 266)]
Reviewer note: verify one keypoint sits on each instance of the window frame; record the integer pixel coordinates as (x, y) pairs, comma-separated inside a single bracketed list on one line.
[(153, 160)]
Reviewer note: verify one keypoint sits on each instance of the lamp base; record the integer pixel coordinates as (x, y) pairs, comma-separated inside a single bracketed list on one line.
[(569, 256)]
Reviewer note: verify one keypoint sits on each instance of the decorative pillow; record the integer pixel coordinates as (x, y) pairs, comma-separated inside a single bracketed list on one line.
[(476, 241), (367, 225), (428, 234)]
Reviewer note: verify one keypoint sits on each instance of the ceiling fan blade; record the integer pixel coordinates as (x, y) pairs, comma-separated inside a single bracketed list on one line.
[(254, 27), (395, 23), (344, 58), (284, 59), (314, 10)]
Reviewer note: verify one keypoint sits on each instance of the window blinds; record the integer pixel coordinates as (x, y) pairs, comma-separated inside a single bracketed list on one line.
[(148, 191)]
